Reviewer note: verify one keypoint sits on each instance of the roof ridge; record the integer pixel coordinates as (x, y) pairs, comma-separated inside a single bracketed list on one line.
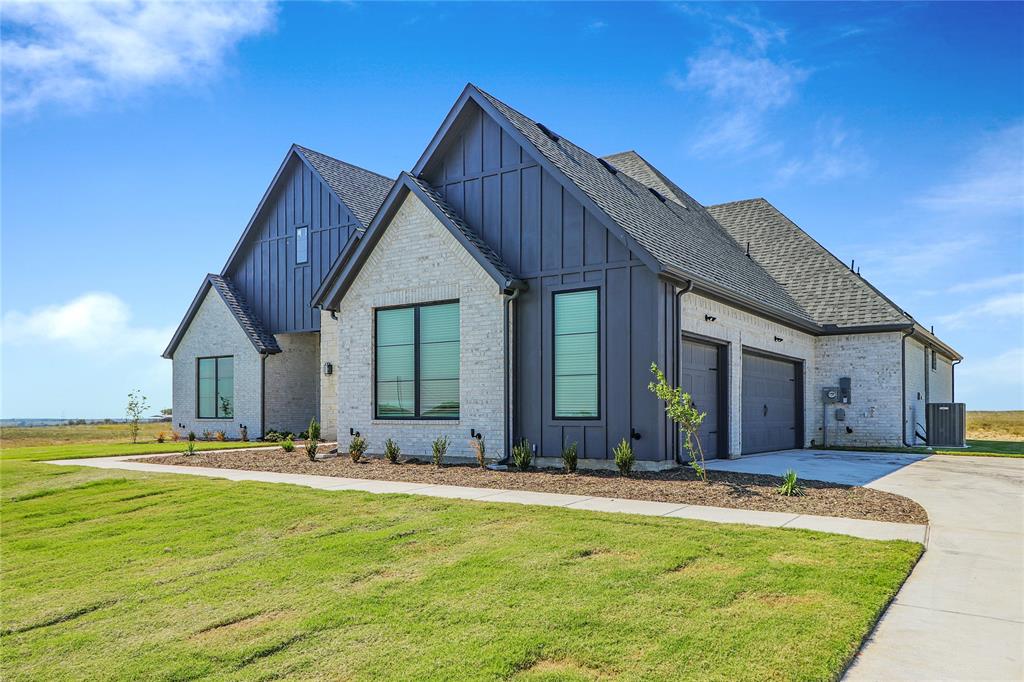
[(738, 201)]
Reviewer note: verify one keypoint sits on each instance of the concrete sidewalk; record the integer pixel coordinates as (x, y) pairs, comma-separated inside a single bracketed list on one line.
[(960, 615), (874, 530)]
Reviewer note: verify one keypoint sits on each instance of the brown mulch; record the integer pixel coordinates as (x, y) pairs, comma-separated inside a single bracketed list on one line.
[(726, 489)]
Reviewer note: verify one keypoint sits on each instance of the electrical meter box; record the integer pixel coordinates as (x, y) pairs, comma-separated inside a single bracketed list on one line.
[(844, 390), (830, 395)]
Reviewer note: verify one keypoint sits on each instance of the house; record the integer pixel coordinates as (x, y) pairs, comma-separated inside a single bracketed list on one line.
[(514, 285)]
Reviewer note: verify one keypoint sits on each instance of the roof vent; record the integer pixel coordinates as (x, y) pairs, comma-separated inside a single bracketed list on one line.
[(661, 197), (608, 167), (548, 132)]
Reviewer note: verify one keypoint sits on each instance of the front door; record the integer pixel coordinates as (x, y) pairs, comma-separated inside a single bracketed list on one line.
[(700, 378)]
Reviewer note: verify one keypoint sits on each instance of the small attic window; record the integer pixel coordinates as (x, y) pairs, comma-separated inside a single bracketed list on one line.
[(548, 132), (301, 245)]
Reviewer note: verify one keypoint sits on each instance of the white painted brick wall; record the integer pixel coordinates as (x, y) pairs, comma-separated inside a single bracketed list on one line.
[(292, 382), (215, 331), (417, 261), (872, 361), (328, 383), (740, 329)]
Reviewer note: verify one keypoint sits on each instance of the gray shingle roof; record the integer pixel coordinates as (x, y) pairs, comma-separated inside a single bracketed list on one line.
[(681, 235), (263, 340), (486, 251), (637, 167), (819, 282), (362, 191)]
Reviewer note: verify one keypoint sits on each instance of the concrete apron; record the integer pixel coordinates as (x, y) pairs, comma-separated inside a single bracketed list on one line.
[(960, 615), (873, 530)]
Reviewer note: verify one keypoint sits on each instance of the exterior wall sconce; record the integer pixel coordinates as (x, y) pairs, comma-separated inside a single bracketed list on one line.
[(778, 339), (328, 368), (352, 432), (473, 433), (709, 318)]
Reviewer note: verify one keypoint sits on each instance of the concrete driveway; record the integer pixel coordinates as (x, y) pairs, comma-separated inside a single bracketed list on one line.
[(960, 615)]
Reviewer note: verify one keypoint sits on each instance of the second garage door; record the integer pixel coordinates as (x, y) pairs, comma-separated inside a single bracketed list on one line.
[(771, 392)]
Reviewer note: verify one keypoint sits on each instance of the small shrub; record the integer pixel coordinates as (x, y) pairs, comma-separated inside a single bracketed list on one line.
[(522, 454), (220, 436), (272, 436), (439, 448), (356, 448), (175, 436), (190, 447), (569, 458), (161, 437), (392, 451), (313, 441), (288, 445), (790, 487), (479, 449), (624, 457), (207, 435), (302, 436), (192, 435)]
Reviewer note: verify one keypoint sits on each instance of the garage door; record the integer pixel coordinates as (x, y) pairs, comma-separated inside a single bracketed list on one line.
[(770, 404), (699, 368)]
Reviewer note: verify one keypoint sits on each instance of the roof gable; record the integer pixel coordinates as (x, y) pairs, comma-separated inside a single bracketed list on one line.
[(344, 271), (262, 340), (678, 240)]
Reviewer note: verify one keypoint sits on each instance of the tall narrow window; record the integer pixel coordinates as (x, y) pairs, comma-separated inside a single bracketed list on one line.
[(216, 388), (576, 353), (301, 244), (934, 361), (417, 362)]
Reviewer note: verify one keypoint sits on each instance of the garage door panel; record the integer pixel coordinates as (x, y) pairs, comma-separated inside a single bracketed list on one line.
[(770, 404)]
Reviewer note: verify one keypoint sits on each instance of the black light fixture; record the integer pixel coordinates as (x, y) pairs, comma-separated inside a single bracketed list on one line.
[(474, 434), (709, 318), (778, 339), (328, 369), (353, 432)]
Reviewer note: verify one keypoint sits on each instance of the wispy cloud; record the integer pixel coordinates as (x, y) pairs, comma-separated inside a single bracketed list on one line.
[(835, 155), (991, 181), (1002, 307), (596, 25), (987, 283), (74, 53), (98, 321)]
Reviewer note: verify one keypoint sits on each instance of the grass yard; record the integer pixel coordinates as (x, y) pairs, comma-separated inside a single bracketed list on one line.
[(119, 575)]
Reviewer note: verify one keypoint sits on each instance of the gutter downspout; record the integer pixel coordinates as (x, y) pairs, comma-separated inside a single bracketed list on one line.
[(677, 341), (509, 422), (952, 379), (263, 394), (903, 383)]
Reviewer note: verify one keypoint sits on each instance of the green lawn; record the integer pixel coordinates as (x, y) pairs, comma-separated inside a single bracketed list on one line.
[(123, 575), (975, 448), (79, 450)]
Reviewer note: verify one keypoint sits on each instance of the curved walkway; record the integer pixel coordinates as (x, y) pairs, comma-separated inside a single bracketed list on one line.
[(960, 615)]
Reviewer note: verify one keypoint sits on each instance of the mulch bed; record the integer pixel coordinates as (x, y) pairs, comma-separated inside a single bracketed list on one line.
[(726, 489)]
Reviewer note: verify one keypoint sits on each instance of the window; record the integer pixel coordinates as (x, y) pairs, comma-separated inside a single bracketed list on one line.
[(301, 244), (934, 361), (216, 388), (576, 352), (417, 362)]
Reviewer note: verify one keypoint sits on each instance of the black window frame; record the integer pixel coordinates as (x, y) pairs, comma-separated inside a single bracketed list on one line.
[(416, 363), (554, 397), (301, 258), (935, 361), (216, 387)]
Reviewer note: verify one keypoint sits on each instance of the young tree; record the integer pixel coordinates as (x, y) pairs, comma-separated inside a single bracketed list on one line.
[(679, 408), (137, 406)]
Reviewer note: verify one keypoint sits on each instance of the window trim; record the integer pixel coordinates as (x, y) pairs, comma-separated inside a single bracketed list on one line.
[(935, 360), (305, 256), (415, 416), (554, 413), (216, 387)]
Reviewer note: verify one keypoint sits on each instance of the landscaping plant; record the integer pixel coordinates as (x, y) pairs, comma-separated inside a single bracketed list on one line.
[(479, 449), (439, 449), (392, 451), (191, 435), (313, 440), (175, 436), (356, 448), (220, 436), (790, 487), (624, 457), (679, 408), (288, 445), (136, 407), (272, 436), (522, 454), (161, 437), (569, 458), (190, 447), (207, 434)]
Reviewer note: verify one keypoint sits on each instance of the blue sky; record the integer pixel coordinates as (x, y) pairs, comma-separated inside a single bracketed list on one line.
[(138, 139)]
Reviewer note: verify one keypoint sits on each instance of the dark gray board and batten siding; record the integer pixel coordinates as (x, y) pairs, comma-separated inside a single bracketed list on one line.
[(277, 288), (553, 243)]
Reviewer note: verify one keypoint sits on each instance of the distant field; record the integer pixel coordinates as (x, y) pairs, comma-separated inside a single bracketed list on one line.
[(28, 436), (1008, 425)]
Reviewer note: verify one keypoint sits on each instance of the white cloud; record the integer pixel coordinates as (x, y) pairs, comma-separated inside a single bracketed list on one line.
[(1002, 307), (991, 181), (74, 53), (987, 283), (835, 155), (98, 321), (992, 383), (597, 25)]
